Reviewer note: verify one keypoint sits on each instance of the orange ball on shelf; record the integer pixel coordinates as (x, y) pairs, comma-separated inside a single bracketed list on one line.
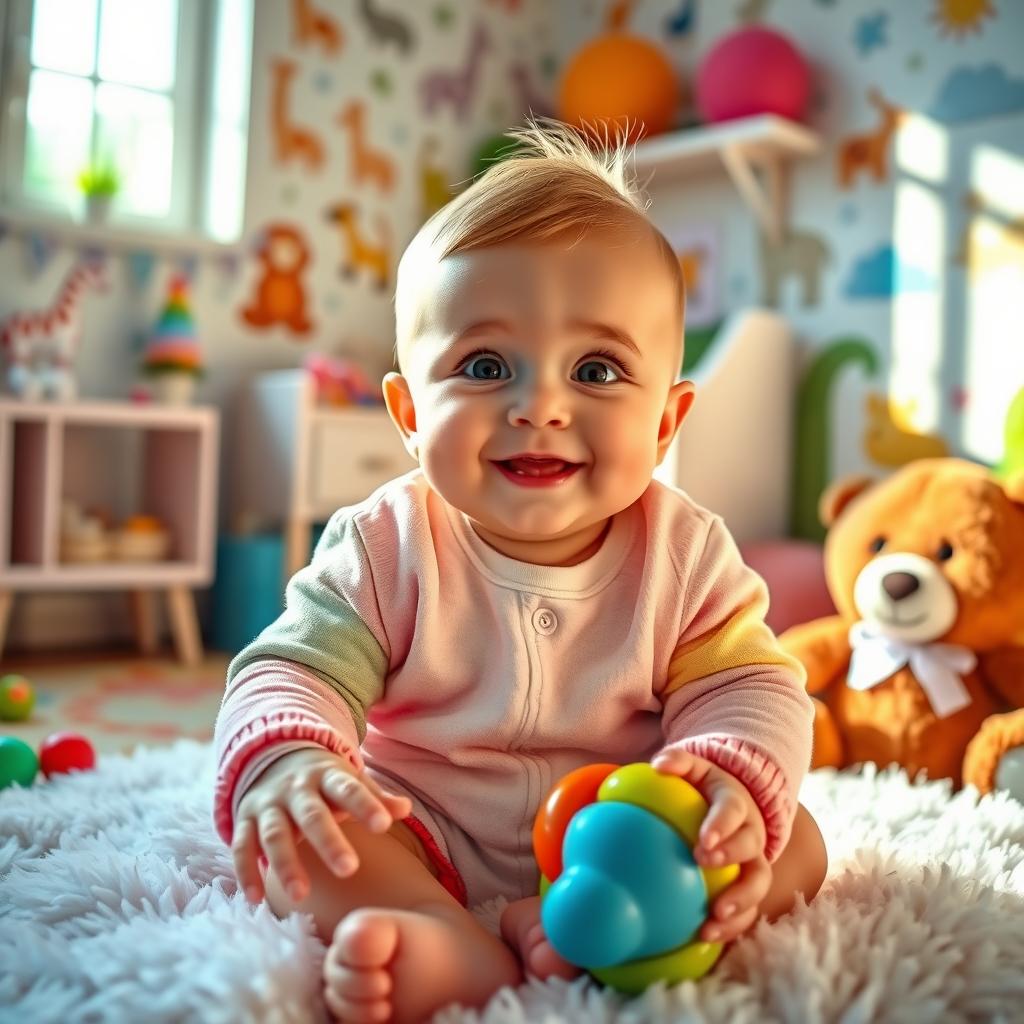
[(622, 79)]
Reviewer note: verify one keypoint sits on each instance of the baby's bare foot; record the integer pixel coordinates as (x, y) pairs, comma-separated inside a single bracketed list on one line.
[(404, 965), (521, 927)]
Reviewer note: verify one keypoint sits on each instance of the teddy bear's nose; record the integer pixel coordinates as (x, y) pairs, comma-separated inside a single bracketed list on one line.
[(899, 585)]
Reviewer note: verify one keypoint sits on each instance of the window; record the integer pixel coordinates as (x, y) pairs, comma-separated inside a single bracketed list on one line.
[(157, 90)]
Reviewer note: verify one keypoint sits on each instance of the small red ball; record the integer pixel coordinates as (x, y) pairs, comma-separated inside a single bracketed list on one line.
[(65, 752)]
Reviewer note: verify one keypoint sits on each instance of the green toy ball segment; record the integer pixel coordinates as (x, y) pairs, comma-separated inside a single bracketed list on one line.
[(17, 698), (18, 763), (492, 151)]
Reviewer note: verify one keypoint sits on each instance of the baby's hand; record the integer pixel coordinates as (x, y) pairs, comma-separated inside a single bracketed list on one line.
[(732, 833), (306, 793)]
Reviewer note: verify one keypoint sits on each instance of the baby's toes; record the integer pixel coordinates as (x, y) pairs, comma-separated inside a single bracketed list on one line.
[(356, 1011), (542, 960), (359, 985)]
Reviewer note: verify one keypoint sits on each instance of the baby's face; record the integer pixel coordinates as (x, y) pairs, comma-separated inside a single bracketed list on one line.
[(541, 382)]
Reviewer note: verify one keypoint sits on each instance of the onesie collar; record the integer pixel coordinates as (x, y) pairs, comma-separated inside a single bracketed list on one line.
[(567, 581)]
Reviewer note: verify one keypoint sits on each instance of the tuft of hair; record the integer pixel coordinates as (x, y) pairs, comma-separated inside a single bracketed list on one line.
[(560, 182)]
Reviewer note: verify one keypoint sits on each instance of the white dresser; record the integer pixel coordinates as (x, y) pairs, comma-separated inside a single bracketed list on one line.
[(297, 462)]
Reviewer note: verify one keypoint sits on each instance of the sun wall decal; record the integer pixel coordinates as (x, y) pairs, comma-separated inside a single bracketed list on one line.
[(962, 17)]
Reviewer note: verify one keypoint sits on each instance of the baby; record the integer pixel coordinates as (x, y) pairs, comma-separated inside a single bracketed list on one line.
[(525, 602)]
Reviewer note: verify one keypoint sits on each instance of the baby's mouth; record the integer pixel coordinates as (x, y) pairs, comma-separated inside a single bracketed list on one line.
[(529, 466)]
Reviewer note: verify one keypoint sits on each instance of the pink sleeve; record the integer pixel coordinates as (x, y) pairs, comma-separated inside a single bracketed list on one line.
[(733, 696), (270, 702)]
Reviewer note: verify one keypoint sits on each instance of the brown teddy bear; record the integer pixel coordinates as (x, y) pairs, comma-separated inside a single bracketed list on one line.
[(924, 662)]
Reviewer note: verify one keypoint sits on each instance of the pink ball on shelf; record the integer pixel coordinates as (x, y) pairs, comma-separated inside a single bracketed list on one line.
[(753, 71), (65, 752)]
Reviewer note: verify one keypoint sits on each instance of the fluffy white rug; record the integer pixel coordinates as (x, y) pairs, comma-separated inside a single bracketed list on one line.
[(118, 903)]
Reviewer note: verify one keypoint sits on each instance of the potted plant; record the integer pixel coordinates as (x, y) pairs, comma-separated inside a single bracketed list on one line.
[(99, 183), (173, 358)]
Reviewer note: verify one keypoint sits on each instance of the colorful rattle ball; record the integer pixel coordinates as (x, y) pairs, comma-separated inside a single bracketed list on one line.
[(622, 896), (16, 698)]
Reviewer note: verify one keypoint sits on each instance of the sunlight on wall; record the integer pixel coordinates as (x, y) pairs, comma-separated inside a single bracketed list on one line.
[(993, 251), (919, 332)]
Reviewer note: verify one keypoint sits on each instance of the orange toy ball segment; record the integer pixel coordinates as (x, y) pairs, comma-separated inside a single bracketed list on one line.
[(620, 78), (573, 792)]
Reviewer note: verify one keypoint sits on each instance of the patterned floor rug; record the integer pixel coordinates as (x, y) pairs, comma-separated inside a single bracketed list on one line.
[(118, 903), (118, 703)]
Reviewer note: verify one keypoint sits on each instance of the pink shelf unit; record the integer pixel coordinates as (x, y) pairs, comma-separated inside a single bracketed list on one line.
[(126, 458)]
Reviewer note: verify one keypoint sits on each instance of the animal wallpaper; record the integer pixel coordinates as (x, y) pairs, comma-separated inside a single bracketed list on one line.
[(901, 266)]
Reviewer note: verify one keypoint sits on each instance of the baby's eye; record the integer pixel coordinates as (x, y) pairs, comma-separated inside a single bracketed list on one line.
[(486, 368), (597, 371)]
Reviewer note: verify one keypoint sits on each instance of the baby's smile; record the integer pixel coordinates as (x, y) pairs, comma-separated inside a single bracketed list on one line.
[(536, 470)]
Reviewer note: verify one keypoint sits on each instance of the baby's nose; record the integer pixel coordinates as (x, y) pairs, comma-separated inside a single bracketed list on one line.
[(540, 407)]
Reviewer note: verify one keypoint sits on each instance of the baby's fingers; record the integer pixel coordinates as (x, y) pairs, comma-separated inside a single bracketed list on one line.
[(731, 928), (319, 826), (360, 798), (727, 813), (277, 839), (736, 907), (746, 843), (245, 851)]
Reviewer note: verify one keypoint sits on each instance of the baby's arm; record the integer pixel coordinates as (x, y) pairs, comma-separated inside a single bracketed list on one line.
[(732, 696), (309, 678)]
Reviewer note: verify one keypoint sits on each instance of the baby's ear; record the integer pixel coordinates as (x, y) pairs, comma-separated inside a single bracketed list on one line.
[(680, 401), (398, 399), (839, 494)]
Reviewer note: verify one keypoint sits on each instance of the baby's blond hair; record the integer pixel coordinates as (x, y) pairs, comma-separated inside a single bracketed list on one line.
[(555, 184)]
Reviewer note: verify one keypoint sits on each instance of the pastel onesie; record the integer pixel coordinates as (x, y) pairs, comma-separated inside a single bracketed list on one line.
[(472, 682)]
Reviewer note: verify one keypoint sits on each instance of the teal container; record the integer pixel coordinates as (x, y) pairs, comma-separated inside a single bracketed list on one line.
[(248, 592)]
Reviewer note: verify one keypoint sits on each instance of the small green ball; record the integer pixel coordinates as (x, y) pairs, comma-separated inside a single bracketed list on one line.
[(17, 698), (492, 151), (18, 762)]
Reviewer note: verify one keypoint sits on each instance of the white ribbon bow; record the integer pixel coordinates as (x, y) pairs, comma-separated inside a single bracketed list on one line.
[(937, 667)]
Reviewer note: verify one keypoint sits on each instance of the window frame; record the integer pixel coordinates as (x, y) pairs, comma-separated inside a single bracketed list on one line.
[(193, 125)]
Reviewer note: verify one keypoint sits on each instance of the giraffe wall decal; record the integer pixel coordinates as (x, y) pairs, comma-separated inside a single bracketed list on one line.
[(366, 162), (291, 141), (868, 152), (313, 26), (456, 87), (39, 347), (360, 253)]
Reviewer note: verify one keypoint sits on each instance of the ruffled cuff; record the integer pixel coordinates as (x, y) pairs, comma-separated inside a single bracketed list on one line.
[(760, 774), (265, 732)]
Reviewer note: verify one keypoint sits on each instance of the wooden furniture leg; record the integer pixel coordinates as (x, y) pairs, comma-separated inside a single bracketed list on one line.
[(144, 617), (296, 554), (184, 626), (6, 601)]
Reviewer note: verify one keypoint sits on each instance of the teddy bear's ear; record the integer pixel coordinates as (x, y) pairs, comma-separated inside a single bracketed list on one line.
[(1014, 487), (839, 494)]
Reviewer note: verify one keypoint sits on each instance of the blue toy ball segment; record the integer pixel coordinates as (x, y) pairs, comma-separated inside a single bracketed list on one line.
[(629, 888)]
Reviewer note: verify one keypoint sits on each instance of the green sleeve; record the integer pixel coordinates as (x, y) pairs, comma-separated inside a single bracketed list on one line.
[(321, 627)]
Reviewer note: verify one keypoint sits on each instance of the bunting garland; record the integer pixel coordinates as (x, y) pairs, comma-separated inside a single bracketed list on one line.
[(40, 246)]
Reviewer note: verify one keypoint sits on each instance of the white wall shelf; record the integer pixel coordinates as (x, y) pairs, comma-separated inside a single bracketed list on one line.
[(756, 153), (133, 459), (113, 235)]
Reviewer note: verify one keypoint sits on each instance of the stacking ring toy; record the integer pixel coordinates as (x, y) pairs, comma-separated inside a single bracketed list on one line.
[(622, 896)]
